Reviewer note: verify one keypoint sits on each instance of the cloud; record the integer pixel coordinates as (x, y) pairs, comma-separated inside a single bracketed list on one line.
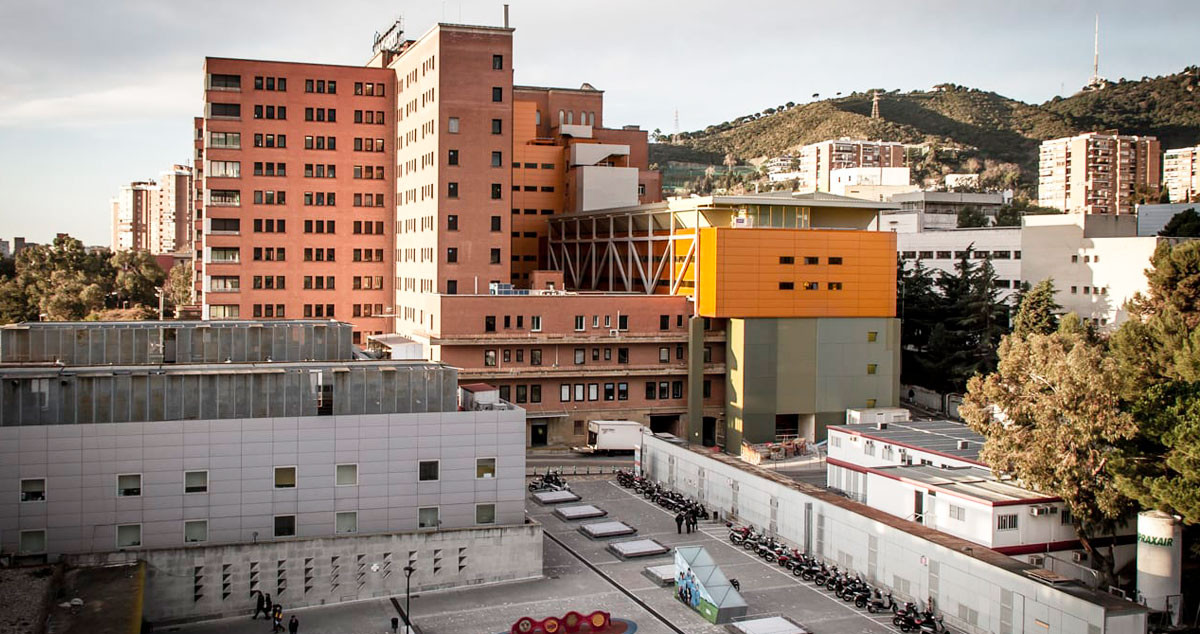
[(165, 95)]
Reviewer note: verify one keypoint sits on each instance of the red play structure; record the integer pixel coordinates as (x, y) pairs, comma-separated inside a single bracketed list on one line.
[(594, 623)]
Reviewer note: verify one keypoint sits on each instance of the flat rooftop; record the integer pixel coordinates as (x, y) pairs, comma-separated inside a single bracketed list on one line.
[(935, 436), (974, 483)]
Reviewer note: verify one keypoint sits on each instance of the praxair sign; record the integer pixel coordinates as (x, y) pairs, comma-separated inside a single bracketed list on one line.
[(1156, 541)]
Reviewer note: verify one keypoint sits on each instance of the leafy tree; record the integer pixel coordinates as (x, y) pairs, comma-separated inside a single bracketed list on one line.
[(1161, 467), (970, 217), (1008, 216), (178, 286), (1038, 312), (1173, 281), (1185, 224), (138, 277), (62, 280), (1052, 418)]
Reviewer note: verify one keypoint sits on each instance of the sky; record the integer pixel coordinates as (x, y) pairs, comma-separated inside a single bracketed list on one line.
[(94, 94)]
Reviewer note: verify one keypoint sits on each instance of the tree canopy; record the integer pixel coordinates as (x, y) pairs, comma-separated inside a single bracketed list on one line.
[(1038, 312), (970, 217), (1185, 224)]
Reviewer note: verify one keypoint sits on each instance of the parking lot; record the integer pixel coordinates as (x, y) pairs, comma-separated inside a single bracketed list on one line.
[(571, 584)]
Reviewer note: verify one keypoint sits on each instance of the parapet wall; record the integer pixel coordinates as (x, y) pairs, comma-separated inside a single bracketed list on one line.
[(187, 584)]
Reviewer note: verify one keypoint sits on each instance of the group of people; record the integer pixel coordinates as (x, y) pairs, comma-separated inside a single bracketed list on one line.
[(689, 518), (273, 613)]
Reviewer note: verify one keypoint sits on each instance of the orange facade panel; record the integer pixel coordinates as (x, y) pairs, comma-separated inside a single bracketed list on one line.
[(796, 273)]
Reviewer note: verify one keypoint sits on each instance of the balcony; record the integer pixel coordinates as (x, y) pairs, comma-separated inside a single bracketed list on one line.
[(583, 371)]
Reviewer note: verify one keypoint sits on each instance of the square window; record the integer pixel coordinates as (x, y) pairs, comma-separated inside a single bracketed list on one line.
[(485, 513), (195, 482), (346, 522), (347, 475), (32, 543), (427, 517), (129, 485), (285, 477), (33, 490), (427, 471), (872, 336), (195, 531), (285, 525), (485, 468), (129, 535), (871, 368)]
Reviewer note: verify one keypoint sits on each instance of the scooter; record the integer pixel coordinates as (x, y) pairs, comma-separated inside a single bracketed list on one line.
[(881, 603)]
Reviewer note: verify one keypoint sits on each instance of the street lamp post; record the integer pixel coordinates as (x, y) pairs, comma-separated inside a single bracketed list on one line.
[(408, 573)]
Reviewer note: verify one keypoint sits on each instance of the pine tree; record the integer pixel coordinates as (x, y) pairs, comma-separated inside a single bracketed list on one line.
[(1038, 312)]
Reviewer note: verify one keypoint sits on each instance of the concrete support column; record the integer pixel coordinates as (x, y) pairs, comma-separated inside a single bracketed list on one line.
[(695, 393)]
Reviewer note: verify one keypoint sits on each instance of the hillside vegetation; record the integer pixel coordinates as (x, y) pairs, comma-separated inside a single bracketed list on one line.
[(967, 122)]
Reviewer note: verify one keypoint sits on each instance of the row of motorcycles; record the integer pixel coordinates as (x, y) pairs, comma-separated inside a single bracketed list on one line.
[(852, 589), (549, 481), (659, 494)]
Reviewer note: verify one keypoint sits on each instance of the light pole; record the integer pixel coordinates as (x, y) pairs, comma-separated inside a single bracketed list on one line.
[(408, 573)]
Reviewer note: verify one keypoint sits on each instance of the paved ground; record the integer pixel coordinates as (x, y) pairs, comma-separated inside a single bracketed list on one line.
[(571, 585)]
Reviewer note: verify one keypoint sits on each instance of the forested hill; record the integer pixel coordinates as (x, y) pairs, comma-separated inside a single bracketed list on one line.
[(983, 125)]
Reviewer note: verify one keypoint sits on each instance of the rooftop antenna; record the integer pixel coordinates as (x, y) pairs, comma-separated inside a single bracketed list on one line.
[(1096, 52), (875, 104), (677, 121)]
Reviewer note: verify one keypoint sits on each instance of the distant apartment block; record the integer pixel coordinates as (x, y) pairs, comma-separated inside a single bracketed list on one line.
[(1098, 172), (1181, 174), (4, 251), (154, 216), (818, 160)]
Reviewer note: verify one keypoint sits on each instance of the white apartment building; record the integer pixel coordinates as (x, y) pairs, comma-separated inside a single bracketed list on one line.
[(843, 180), (818, 160), (1181, 173)]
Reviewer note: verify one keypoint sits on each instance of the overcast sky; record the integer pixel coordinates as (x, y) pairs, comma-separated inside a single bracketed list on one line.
[(95, 93)]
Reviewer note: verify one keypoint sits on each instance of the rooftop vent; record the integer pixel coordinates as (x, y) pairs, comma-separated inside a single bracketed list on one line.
[(962, 444), (881, 425)]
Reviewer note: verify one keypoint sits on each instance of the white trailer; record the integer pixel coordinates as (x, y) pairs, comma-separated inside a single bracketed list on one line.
[(609, 436)]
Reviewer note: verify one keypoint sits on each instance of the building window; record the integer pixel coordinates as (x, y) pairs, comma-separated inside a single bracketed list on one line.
[(622, 391), (485, 468), (564, 392), (651, 390), (452, 125), (1006, 522), (497, 159), (676, 389), (535, 356), (452, 190), (593, 391), (495, 256), (835, 286), (195, 482), (489, 358), (958, 513), (427, 517), (195, 531), (33, 490), (787, 259), (285, 477), (707, 388), (285, 525), (345, 522), (346, 475), (497, 62), (427, 471), (787, 286), (497, 94), (452, 254), (129, 535), (872, 368), (489, 323), (497, 191), (580, 394), (129, 485), (452, 159), (872, 336), (535, 393), (535, 323), (835, 261), (579, 356), (32, 542), (579, 322), (664, 354), (622, 355), (485, 513)]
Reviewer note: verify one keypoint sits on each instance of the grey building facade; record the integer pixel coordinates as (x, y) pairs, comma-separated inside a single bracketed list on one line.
[(186, 463)]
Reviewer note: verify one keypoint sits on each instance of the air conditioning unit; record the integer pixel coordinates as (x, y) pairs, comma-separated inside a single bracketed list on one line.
[(1037, 511), (1079, 557), (1038, 560), (613, 332)]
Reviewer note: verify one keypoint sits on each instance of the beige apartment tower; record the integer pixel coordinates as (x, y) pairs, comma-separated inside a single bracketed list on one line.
[(1098, 172), (817, 160), (1181, 174), (154, 216)]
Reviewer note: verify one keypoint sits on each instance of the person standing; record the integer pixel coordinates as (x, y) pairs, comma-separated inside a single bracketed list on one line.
[(277, 619), (260, 606), (679, 522), (293, 625)]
